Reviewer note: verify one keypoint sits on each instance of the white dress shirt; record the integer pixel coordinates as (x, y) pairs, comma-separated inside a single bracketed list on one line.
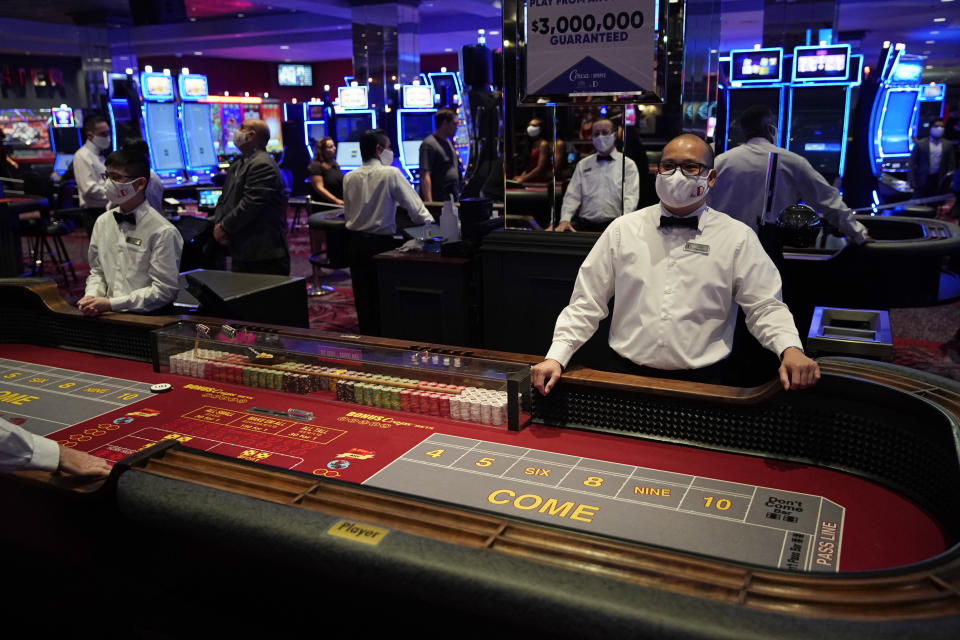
[(20, 449), (739, 191), (936, 152), (371, 194), (677, 292), (136, 267), (88, 172), (595, 189)]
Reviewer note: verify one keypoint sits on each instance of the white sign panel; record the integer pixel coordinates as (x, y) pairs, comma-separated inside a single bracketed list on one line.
[(590, 47)]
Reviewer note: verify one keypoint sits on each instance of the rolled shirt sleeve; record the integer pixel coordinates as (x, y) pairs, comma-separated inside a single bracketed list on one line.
[(406, 197)]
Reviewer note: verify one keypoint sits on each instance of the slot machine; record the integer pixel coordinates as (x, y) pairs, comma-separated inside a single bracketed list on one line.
[(354, 116), (161, 126), (749, 77), (197, 128), (415, 121)]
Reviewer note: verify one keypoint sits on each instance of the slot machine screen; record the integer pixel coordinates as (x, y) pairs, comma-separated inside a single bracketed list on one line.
[(350, 126), (908, 71), (896, 123), (416, 127), (231, 117), (816, 128), (743, 99), (198, 134), (272, 114), (416, 96), (316, 131), (26, 129), (756, 65), (821, 63), (445, 85), (162, 132), (62, 162)]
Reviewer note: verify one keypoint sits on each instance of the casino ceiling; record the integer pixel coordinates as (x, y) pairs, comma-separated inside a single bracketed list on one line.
[(315, 30)]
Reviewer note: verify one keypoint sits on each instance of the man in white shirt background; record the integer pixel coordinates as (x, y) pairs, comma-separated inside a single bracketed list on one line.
[(679, 269), (371, 194), (88, 169), (931, 159), (604, 185), (741, 176), (134, 251)]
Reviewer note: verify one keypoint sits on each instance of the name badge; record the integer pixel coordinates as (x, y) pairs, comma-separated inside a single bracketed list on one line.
[(134, 241), (697, 248)]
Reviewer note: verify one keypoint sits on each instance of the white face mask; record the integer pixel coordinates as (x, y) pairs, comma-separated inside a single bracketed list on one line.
[(101, 142), (533, 132), (120, 192), (679, 191), (386, 157), (604, 144), (240, 138), (936, 132)]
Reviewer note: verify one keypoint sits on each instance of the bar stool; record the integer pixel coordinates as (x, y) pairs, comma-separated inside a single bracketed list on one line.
[(326, 229), (45, 234)]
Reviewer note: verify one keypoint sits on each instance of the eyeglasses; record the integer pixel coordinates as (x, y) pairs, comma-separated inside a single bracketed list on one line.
[(116, 177), (689, 169)]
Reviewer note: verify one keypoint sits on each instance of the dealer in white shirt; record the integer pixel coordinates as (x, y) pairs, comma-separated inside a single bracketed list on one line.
[(678, 270), (742, 171), (134, 252), (371, 194), (88, 169), (603, 187)]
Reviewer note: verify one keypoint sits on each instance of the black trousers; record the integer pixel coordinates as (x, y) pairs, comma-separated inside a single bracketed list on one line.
[(274, 266), (716, 373), (361, 248)]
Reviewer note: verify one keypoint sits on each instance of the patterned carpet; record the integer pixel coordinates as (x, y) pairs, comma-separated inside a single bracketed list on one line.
[(924, 338)]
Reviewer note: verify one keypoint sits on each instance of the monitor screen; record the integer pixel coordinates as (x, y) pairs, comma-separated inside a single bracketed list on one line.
[(908, 71), (295, 75), (348, 154), (417, 96), (62, 162), (350, 126), (352, 97), (445, 86), (756, 65), (161, 123), (821, 63), (411, 153), (816, 128), (198, 135), (63, 117), (192, 87), (934, 91), (156, 86), (416, 125), (314, 111), (231, 117), (272, 114), (26, 128), (316, 131), (209, 197), (896, 123)]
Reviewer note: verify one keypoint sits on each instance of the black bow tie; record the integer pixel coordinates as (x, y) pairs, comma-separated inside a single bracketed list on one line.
[(129, 218), (604, 158), (688, 222)]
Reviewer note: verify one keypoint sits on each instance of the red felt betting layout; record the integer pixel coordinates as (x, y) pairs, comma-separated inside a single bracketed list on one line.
[(355, 443)]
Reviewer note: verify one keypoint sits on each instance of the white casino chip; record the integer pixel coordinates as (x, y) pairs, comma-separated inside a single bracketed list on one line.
[(162, 387)]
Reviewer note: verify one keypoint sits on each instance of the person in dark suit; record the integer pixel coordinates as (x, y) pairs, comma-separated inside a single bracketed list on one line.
[(250, 218), (931, 160)]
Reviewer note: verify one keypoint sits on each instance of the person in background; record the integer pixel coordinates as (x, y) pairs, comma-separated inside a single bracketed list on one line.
[(135, 252), (930, 161), (603, 187), (251, 216), (538, 161), (371, 194), (742, 173), (326, 178), (88, 169), (678, 269), (8, 166), (155, 184), (21, 450), (440, 172)]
